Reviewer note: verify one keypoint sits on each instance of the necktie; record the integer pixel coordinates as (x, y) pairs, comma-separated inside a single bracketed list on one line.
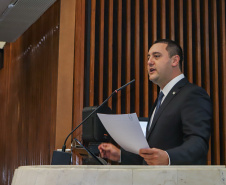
[(160, 96), (158, 102)]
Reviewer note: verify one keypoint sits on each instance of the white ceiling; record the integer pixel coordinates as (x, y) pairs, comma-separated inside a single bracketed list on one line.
[(16, 16)]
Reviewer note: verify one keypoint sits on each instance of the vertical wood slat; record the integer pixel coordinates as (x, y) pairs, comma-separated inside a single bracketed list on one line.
[(206, 48), (154, 20), (154, 38), (198, 44), (8, 127), (163, 19), (65, 73), (206, 60), (181, 28), (137, 57), (110, 51), (119, 30), (92, 53), (78, 65), (172, 22), (145, 52), (189, 42), (215, 83), (4, 97), (101, 52), (128, 53), (223, 77)]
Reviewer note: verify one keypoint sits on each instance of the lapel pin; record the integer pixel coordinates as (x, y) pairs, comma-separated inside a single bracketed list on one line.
[(174, 92)]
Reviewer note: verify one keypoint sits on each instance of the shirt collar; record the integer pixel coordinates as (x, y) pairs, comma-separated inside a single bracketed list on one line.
[(170, 85)]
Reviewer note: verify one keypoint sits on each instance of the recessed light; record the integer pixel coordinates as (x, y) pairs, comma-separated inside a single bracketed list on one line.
[(2, 44)]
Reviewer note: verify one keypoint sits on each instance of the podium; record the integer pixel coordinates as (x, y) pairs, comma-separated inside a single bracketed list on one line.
[(119, 175)]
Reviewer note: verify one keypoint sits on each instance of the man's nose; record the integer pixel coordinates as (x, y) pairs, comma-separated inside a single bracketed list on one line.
[(150, 61)]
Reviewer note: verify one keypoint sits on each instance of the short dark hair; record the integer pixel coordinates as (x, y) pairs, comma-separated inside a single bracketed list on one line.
[(173, 49)]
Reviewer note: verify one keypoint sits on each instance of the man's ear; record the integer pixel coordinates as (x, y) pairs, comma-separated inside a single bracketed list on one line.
[(175, 60)]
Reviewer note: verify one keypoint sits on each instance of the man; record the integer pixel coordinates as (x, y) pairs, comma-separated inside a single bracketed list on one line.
[(179, 124)]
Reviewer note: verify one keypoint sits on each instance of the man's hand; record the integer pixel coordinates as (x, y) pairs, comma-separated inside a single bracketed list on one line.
[(154, 156), (108, 150)]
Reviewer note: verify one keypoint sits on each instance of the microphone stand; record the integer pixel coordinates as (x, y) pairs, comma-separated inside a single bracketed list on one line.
[(64, 146), (99, 160)]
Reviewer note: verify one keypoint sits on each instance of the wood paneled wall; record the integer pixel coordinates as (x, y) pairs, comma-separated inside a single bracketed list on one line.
[(28, 89), (118, 36), (111, 41)]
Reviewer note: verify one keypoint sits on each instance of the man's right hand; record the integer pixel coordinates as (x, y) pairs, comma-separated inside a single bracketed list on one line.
[(108, 150)]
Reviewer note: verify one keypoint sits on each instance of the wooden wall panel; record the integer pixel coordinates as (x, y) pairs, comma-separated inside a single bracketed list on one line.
[(215, 81), (206, 45), (172, 20), (198, 26), (198, 73), (154, 30), (65, 73), (92, 53), (137, 57), (5, 169), (181, 27), (163, 19), (128, 52), (119, 58), (29, 96), (145, 51), (223, 77), (206, 59), (79, 67), (28, 80), (189, 52), (101, 52), (110, 51)]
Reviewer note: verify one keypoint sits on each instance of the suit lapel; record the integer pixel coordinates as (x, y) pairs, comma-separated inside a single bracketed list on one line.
[(149, 118), (173, 92)]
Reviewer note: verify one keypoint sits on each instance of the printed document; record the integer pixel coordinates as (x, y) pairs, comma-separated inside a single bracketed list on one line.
[(125, 130)]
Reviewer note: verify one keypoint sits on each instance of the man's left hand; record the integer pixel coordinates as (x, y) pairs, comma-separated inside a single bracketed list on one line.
[(154, 156)]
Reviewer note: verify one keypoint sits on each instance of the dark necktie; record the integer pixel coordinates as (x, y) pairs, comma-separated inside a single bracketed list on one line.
[(160, 96), (158, 103)]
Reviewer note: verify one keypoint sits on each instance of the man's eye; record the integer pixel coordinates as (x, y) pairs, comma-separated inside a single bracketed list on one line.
[(156, 56)]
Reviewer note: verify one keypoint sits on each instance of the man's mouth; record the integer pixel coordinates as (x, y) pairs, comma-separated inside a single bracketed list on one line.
[(151, 70)]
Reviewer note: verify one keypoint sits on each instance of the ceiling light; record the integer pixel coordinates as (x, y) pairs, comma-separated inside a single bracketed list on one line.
[(2, 44)]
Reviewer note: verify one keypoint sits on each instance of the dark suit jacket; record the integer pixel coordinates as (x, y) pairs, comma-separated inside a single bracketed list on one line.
[(181, 126)]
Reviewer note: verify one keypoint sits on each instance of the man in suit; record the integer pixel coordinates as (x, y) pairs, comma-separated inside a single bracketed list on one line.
[(179, 123)]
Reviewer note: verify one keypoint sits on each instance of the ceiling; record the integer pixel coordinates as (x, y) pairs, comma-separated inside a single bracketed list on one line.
[(16, 16)]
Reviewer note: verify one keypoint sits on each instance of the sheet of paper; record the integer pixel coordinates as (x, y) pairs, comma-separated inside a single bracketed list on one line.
[(125, 130)]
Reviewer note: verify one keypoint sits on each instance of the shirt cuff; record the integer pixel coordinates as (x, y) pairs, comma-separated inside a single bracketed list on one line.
[(169, 159), (120, 160)]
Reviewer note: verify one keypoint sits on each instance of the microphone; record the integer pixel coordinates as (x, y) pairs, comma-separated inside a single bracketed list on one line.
[(114, 92), (119, 89)]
